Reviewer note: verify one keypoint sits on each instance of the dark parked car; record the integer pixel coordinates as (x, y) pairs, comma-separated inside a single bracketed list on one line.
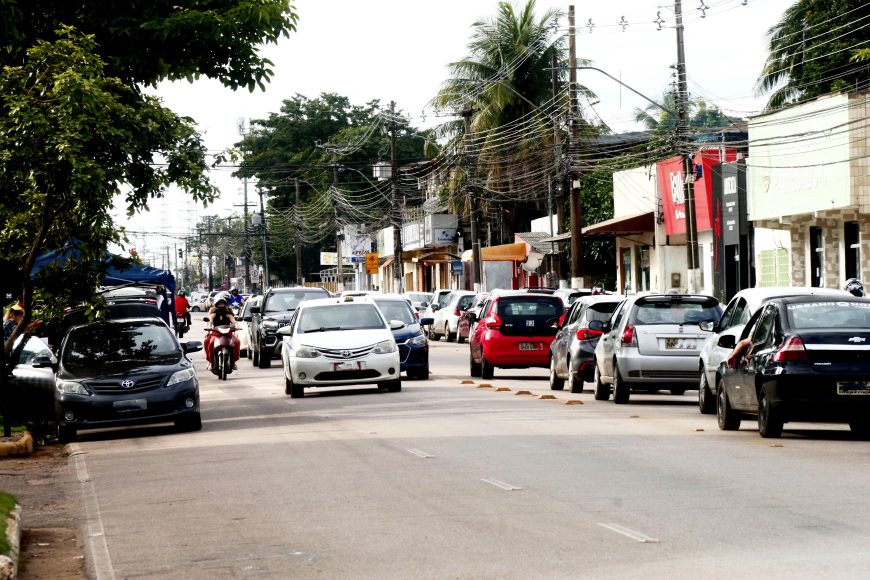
[(31, 382), (273, 312), (413, 344), (125, 372), (809, 360)]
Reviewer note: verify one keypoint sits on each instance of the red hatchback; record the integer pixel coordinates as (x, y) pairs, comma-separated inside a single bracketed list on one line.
[(515, 330)]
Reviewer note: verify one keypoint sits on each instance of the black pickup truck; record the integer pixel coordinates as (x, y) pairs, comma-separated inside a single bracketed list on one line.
[(275, 311)]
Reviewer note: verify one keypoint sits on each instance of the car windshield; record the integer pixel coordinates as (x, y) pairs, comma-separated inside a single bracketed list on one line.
[(601, 311), (829, 315), (396, 310), (418, 297), (529, 315), (464, 302), (345, 317), (101, 344), (668, 311), (284, 301)]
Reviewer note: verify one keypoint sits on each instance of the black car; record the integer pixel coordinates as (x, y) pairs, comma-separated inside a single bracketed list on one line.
[(808, 359), (124, 372), (413, 344), (275, 310)]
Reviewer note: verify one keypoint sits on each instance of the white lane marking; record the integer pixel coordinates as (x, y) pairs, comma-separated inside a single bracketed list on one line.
[(637, 536), (501, 484), (419, 453), (102, 561)]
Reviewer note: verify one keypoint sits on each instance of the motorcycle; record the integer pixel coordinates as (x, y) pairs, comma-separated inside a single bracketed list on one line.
[(181, 325), (222, 351)]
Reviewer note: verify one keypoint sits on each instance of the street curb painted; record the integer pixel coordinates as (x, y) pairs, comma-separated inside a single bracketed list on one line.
[(23, 446), (9, 564)]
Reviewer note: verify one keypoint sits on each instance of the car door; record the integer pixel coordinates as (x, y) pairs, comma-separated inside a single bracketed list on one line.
[(606, 346), (559, 346), (474, 337), (762, 338), (31, 384)]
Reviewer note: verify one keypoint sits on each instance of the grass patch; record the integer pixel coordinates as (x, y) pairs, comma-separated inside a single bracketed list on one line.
[(7, 504)]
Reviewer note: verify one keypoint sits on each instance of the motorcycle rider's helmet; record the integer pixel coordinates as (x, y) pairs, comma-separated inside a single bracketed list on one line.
[(182, 293), (222, 296), (854, 287), (234, 290)]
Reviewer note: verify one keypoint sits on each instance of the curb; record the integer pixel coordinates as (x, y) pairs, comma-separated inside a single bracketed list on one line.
[(23, 446), (9, 564)]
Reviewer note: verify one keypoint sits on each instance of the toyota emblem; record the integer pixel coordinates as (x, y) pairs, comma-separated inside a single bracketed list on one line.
[(128, 384), (345, 353)]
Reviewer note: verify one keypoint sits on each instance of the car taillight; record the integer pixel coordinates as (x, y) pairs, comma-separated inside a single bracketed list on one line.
[(493, 321), (628, 336), (588, 334), (457, 312), (792, 350)]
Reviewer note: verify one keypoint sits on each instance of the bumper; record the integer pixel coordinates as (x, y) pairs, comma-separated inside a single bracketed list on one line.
[(647, 369), (504, 351), (583, 359), (813, 398), (155, 406), (414, 357), (322, 372)]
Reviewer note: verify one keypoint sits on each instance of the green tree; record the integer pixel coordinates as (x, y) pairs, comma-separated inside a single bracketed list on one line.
[(810, 48), (701, 115)]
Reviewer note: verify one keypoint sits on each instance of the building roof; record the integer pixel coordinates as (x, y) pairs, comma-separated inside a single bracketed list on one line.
[(537, 242)]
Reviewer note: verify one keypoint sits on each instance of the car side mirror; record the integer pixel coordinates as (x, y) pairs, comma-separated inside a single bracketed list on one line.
[(191, 346), (424, 304), (596, 325), (396, 324), (42, 361), (255, 309), (554, 322), (434, 307), (727, 341), (471, 317), (707, 325), (428, 321), (285, 331)]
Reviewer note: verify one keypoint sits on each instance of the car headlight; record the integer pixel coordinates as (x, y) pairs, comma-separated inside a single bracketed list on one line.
[(71, 388), (270, 324), (303, 351), (181, 376), (417, 341), (385, 347)]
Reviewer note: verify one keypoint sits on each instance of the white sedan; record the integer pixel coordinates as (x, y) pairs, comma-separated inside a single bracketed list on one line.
[(339, 341)]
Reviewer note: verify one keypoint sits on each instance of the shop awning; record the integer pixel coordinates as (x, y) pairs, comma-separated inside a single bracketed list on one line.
[(623, 226), (387, 261), (503, 253)]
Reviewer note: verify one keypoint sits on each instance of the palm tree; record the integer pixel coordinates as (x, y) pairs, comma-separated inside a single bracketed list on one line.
[(810, 49)]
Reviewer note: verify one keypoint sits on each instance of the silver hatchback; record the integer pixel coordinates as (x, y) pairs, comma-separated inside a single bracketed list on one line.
[(652, 342)]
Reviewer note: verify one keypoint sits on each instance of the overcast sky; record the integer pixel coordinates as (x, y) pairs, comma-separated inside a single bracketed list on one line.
[(399, 50)]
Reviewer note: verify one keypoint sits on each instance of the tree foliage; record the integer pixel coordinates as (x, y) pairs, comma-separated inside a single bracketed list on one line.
[(810, 49)]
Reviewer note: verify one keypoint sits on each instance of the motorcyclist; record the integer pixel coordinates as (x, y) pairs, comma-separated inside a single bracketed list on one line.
[(182, 307), (854, 287), (236, 299), (221, 315)]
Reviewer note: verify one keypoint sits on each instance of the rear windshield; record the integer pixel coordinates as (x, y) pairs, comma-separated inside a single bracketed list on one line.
[(601, 311), (105, 344), (465, 301), (675, 311), (397, 310), (829, 315), (350, 317), (528, 315), (284, 301)]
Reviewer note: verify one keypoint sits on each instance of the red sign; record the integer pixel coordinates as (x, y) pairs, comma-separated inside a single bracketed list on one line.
[(672, 191)]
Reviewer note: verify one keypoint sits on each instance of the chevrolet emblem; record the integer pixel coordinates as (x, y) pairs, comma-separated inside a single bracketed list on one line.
[(857, 339)]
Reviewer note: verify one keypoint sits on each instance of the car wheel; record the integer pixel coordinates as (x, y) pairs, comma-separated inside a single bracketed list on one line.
[(486, 369), (296, 391), (419, 374), (460, 339), (249, 352), (243, 353), (451, 336), (678, 392), (728, 418), (195, 309), (256, 358), (189, 423), (474, 368), (574, 380), (860, 426), (556, 384), (265, 361), (770, 419), (706, 400), (288, 386), (602, 391), (391, 386), (621, 392), (66, 434)]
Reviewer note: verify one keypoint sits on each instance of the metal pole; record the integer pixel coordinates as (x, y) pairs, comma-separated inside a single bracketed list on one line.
[(265, 273), (398, 274), (298, 237), (576, 209), (338, 235), (475, 237), (247, 242)]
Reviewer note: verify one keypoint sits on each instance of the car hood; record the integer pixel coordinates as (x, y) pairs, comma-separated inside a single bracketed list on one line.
[(406, 332), (344, 338), (121, 370)]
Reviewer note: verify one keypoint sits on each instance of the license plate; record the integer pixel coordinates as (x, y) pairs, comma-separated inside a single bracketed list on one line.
[(529, 346), (679, 343), (853, 388), (130, 405), (348, 366)]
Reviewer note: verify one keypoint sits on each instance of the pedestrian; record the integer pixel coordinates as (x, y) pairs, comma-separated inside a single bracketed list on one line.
[(11, 319)]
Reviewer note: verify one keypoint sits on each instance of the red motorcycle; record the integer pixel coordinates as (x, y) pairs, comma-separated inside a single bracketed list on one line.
[(222, 350)]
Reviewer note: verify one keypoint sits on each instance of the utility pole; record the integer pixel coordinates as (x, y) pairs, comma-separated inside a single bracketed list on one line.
[(557, 160), (247, 242), (298, 236), (210, 252), (576, 209), (684, 146), (265, 273), (339, 237), (472, 194), (397, 207)]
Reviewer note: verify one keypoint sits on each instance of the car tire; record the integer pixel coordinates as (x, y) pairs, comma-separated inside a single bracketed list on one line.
[(860, 426), (706, 400), (256, 358), (391, 386), (678, 392), (474, 368), (249, 352), (265, 361), (189, 423), (295, 390), (602, 391), (460, 339), (66, 434), (575, 381), (621, 391), (419, 374), (288, 386), (556, 384), (486, 369), (727, 418), (770, 420), (451, 336)]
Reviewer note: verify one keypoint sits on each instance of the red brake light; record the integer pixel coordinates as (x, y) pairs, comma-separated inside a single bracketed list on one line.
[(792, 350), (457, 312), (588, 333), (493, 321), (628, 336)]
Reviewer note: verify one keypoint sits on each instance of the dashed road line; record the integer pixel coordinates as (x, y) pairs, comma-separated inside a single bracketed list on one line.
[(501, 485), (634, 535), (419, 453)]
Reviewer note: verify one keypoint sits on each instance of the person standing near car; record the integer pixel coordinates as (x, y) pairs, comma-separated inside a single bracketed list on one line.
[(13, 316), (221, 315)]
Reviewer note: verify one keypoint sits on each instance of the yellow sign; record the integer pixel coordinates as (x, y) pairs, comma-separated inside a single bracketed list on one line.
[(371, 263)]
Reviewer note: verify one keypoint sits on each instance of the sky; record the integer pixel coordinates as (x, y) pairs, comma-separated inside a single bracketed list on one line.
[(400, 50)]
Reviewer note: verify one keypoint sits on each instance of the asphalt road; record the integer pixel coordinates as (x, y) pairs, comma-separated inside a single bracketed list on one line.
[(449, 480)]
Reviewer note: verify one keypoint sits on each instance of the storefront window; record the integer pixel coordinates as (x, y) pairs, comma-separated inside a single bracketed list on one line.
[(642, 269), (625, 266)]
